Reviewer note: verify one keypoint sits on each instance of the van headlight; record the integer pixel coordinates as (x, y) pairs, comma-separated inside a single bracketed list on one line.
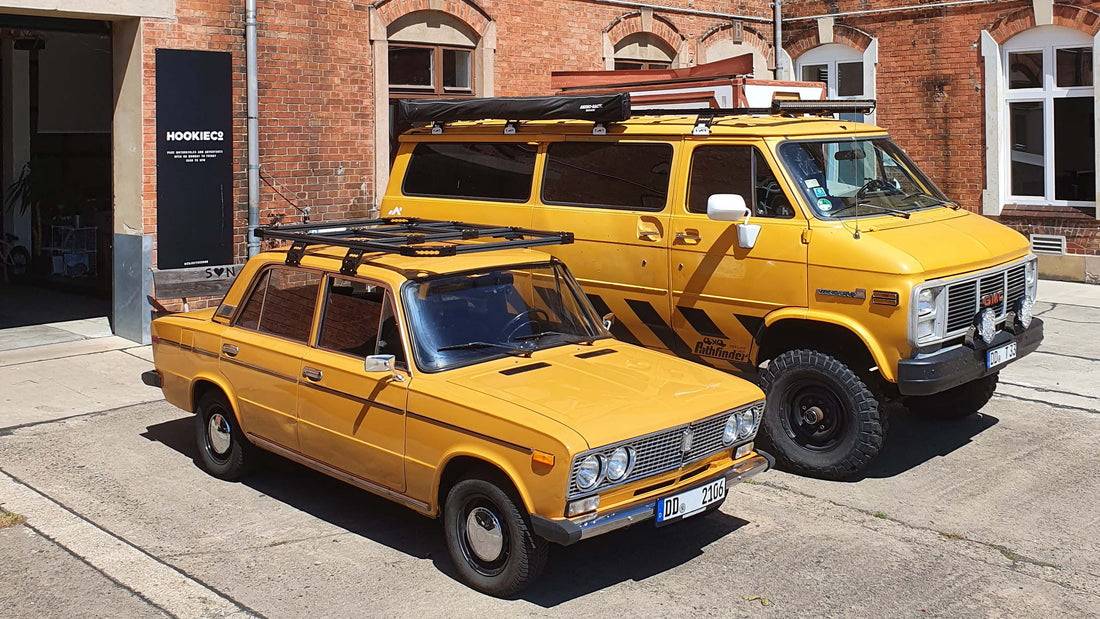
[(1031, 278), (926, 313)]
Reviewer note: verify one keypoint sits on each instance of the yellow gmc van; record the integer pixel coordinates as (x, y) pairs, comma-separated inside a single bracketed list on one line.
[(806, 251)]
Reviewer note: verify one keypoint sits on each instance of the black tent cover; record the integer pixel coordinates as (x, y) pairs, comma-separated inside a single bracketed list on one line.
[(595, 108)]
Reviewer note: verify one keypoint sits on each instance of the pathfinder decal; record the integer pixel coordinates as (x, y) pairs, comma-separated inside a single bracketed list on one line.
[(717, 349)]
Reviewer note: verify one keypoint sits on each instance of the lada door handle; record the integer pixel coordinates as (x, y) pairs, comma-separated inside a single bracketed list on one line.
[(312, 373), (688, 237), (230, 350)]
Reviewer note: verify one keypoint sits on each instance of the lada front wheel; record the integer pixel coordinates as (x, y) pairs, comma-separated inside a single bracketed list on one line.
[(820, 418), (490, 539), (223, 449), (955, 403)]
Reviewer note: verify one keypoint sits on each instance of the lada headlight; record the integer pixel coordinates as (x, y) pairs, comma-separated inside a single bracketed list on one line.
[(588, 473), (620, 463), (747, 423), (732, 429)]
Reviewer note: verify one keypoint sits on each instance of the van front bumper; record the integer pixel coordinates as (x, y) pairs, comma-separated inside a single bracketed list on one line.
[(943, 370), (566, 532)]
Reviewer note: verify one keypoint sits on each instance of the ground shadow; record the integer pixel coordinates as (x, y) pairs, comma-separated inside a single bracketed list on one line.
[(571, 572), (913, 440)]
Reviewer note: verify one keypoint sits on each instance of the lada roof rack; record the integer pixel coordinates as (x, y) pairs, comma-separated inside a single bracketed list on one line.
[(599, 109), (407, 236)]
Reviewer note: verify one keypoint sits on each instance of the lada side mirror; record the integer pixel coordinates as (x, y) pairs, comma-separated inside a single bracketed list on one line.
[(732, 207), (378, 363)]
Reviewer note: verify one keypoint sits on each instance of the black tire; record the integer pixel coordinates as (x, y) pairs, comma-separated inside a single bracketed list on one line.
[(223, 449), (957, 402), (20, 262), (521, 554), (849, 425)]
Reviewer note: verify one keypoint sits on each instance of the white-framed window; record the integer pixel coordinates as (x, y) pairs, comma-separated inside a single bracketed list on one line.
[(1050, 154), (642, 50), (848, 73)]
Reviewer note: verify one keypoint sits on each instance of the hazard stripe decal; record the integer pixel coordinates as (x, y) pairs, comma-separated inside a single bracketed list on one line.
[(652, 319), (618, 329), (701, 322), (752, 324)]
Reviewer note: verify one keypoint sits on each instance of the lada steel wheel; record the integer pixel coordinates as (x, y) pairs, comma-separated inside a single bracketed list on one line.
[(490, 539), (820, 418), (223, 449)]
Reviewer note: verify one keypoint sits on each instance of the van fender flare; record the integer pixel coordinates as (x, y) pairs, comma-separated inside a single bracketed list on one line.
[(805, 315)]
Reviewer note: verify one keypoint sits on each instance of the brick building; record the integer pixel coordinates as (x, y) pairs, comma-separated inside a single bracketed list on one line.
[(956, 83)]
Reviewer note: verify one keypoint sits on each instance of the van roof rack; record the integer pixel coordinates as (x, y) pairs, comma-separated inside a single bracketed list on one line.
[(600, 109), (407, 236)]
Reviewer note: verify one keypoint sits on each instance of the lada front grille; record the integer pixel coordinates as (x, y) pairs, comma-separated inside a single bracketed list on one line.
[(964, 298), (661, 451)]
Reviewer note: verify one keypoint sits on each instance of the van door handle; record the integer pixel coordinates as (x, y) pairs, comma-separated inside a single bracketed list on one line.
[(688, 237), (230, 350), (312, 373)]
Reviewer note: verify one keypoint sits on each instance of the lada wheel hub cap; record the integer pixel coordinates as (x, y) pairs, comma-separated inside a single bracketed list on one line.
[(219, 434), (483, 534)]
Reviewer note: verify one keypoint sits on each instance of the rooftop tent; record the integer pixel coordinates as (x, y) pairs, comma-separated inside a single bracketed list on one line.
[(603, 108)]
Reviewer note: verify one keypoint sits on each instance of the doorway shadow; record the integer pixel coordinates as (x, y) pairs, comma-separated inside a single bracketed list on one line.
[(571, 572)]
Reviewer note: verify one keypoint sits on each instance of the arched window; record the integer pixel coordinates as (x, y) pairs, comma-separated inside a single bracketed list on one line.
[(430, 54), (848, 73), (1048, 116), (642, 50)]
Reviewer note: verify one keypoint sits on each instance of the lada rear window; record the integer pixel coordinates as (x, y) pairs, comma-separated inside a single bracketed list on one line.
[(282, 303), (473, 171), (618, 175)]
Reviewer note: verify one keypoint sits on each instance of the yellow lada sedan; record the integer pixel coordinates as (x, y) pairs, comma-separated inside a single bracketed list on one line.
[(441, 366)]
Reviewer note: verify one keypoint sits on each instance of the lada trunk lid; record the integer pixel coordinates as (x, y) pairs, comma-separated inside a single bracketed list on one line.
[(610, 391)]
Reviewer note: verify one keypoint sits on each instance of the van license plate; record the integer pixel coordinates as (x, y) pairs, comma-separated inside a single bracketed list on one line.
[(690, 502), (997, 356)]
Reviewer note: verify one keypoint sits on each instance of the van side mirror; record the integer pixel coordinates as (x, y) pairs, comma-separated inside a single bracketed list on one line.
[(732, 207), (726, 207), (608, 320)]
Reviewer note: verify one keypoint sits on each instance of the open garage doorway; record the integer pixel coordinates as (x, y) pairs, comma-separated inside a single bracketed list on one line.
[(56, 101)]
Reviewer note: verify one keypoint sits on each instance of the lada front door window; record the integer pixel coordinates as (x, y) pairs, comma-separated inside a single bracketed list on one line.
[(848, 178), (473, 317)]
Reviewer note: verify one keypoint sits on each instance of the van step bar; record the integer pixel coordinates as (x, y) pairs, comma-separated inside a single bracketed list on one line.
[(407, 236)]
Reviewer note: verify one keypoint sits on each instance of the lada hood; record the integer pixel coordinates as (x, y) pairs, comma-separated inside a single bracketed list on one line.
[(939, 242), (616, 395)]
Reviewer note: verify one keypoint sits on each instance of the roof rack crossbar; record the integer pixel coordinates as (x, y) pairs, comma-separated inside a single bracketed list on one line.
[(406, 236)]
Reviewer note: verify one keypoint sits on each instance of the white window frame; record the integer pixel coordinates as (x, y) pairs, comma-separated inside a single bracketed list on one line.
[(834, 54), (1047, 40)]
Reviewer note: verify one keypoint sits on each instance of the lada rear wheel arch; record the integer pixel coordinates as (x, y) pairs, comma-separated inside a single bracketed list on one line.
[(821, 419), (490, 537), (224, 451)]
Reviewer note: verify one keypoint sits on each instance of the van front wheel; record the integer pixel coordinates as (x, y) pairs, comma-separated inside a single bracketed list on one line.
[(821, 419)]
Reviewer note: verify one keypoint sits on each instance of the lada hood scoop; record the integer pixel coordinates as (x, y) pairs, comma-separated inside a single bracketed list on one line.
[(614, 395), (948, 242)]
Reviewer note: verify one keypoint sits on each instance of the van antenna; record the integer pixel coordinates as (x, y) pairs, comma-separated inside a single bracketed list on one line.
[(859, 195)]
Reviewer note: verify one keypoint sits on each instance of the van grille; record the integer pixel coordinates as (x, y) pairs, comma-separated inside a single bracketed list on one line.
[(964, 298)]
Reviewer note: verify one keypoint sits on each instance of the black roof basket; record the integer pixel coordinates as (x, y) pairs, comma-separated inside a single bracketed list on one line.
[(407, 236)]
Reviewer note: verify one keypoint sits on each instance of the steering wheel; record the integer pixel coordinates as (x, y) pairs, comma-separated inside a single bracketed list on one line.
[(876, 184), (521, 320)]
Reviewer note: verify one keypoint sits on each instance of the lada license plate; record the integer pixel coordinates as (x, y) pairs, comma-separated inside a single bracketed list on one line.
[(690, 502), (997, 356)]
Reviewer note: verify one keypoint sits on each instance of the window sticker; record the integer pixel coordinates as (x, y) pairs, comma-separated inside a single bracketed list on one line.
[(819, 192), (812, 182), (824, 204)]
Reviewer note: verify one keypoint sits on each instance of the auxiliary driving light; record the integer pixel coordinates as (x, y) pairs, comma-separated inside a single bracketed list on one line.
[(1023, 312), (987, 325)]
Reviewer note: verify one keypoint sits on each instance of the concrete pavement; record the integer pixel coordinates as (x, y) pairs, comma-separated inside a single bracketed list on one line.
[(989, 516)]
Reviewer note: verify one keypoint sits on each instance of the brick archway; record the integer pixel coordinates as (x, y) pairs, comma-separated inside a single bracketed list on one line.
[(845, 35), (1065, 15), (466, 11), (751, 37), (635, 23)]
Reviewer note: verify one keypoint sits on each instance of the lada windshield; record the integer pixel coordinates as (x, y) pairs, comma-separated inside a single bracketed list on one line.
[(859, 177), (468, 318)]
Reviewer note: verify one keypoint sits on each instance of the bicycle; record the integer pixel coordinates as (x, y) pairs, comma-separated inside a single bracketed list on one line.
[(16, 260)]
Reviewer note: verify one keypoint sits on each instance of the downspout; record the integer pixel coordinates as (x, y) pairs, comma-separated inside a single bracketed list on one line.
[(253, 128), (777, 20)]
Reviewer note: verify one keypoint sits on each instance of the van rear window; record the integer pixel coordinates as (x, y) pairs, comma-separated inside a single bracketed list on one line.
[(620, 175), (475, 171)]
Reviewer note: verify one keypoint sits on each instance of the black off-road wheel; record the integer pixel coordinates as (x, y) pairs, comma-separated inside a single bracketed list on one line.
[(490, 538), (957, 402), (223, 449), (821, 419)]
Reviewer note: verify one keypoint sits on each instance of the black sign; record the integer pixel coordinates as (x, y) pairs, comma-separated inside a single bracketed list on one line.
[(194, 158)]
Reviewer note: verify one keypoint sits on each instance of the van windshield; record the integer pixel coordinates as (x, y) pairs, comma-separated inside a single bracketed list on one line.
[(858, 177), (468, 318)]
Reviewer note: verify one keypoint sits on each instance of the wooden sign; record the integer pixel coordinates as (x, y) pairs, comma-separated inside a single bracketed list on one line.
[(194, 282)]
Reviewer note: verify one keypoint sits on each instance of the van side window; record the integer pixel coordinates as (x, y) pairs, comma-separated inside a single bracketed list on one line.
[(349, 321), (282, 304), (474, 171), (736, 169), (620, 175)]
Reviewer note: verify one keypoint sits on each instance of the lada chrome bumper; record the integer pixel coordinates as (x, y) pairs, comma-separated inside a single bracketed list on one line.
[(566, 532), (944, 369)]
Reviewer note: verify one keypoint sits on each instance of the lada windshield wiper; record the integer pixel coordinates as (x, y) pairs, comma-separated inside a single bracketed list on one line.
[(518, 352), (573, 337)]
